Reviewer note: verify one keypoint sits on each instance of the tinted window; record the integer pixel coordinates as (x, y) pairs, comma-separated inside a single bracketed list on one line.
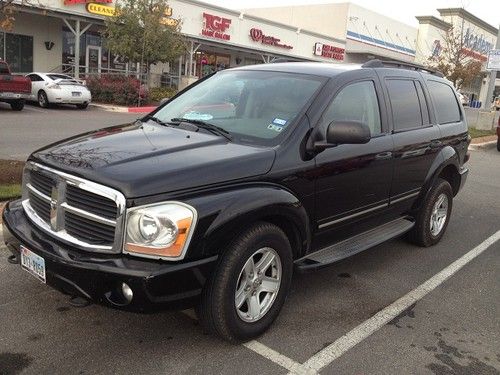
[(356, 102), (423, 104), (406, 111), (3, 68), (445, 102), (34, 77)]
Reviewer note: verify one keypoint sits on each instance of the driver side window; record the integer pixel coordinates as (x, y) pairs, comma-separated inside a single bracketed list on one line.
[(355, 102)]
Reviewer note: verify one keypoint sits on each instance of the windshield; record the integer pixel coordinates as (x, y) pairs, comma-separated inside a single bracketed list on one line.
[(253, 106)]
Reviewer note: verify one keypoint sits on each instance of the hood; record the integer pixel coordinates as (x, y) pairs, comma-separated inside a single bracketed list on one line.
[(143, 159)]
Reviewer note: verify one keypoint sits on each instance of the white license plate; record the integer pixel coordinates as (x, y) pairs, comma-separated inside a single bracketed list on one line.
[(33, 263), (76, 93)]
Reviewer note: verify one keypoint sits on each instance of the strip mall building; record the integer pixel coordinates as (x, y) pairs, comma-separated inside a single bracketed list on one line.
[(64, 35)]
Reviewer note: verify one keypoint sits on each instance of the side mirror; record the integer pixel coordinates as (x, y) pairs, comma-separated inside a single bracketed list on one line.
[(347, 132)]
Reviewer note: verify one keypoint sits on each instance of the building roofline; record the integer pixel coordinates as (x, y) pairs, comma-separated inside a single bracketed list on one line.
[(468, 16), (434, 21)]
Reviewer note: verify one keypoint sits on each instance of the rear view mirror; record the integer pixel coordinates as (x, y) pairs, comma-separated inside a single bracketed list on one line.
[(347, 132)]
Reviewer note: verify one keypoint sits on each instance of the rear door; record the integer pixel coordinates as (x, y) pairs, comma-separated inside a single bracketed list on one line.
[(417, 140)]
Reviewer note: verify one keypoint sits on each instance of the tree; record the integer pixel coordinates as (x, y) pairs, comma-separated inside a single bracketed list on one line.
[(454, 60), (139, 32)]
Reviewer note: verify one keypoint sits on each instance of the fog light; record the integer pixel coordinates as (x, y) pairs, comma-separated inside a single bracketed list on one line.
[(127, 292)]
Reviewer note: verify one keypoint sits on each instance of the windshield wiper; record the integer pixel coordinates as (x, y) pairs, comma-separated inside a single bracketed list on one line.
[(205, 125), (157, 120)]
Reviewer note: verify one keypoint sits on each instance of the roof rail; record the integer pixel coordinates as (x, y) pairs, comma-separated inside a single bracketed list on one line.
[(282, 60), (376, 63)]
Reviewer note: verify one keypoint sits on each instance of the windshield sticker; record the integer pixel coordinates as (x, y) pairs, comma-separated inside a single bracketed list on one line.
[(275, 127), (279, 121), (193, 115)]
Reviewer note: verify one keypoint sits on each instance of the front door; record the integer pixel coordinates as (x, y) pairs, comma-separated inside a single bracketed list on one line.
[(353, 182), (93, 59)]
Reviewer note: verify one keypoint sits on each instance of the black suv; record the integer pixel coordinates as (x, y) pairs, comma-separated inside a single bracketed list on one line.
[(215, 198)]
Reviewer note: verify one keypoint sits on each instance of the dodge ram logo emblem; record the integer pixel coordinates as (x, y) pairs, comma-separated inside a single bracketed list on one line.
[(54, 198)]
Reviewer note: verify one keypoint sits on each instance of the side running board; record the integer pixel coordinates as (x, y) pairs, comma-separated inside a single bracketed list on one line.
[(353, 245)]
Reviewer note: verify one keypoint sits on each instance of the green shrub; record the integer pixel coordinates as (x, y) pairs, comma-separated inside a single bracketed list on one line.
[(117, 89), (158, 93)]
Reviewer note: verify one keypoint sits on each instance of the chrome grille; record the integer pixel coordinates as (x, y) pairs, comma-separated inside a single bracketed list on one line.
[(74, 210)]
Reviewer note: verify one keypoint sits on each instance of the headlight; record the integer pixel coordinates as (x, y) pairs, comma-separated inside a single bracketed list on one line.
[(159, 231)]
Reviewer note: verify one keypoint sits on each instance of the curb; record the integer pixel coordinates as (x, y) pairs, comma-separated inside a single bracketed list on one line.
[(115, 108), (482, 146)]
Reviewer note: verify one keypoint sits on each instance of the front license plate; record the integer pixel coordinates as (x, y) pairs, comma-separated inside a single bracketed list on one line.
[(76, 93), (33, 263)]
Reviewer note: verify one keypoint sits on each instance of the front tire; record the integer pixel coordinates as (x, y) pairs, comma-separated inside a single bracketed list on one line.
[(18, 105), (434, 216), (82, 106), (43, 101), (250, 284), (498, 144)]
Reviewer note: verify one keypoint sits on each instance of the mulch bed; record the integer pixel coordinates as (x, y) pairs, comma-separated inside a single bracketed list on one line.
[(11, 172)]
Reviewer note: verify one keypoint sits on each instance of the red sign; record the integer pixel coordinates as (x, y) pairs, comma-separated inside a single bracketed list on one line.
[(258, 36), (215, 27), (73, 2), (331, 52)]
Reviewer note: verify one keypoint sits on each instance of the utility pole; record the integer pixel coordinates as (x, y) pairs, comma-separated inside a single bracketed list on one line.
[(493, 76)]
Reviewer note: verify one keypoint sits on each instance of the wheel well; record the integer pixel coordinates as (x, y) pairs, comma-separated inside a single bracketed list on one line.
[(290, 230), (450, 174)]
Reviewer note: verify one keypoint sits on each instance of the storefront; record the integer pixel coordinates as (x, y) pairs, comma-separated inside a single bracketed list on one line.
[(65, 36)]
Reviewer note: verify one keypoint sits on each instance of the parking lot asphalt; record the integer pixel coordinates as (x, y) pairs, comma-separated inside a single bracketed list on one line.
[(34, 127), (452, 329)]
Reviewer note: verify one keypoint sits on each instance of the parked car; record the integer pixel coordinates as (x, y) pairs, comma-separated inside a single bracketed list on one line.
[(14, 89), (214, 200), (498, 134), (496, 103), (57, 88)]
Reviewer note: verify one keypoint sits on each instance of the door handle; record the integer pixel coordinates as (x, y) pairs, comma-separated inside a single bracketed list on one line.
[(383, 155), (436, 143)]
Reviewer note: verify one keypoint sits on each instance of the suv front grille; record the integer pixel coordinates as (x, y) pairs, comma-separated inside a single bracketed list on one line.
[(74, 210)]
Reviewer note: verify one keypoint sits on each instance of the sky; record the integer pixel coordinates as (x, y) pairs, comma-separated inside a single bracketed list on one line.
[(401, 10)]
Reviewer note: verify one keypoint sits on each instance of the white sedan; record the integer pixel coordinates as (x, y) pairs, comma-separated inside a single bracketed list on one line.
[(57, 88)]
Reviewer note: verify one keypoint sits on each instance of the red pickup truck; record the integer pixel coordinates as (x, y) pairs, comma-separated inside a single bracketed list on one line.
[(13, 89)]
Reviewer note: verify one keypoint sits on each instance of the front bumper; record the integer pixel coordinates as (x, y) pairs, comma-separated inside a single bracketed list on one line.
[(98, 277)]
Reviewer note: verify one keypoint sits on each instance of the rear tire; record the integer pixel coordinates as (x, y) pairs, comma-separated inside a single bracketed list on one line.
[(18, 105), (434, 215), (43, 101), (237, 285), (498, 144)]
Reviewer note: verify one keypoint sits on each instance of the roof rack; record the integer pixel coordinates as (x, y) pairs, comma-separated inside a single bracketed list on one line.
[(376, 63), (282, 60)]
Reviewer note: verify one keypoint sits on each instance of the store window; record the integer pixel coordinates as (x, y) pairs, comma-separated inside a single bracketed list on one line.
[(207, 63), (17, 50)]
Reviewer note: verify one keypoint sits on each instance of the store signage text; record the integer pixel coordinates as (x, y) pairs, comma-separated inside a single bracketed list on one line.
[(476, 43), (73, 2), (215, 27), (167, 20), (258, 36), (102, 10), (331, 52)]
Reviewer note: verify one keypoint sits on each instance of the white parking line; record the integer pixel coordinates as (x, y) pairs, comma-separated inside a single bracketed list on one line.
[(278, 358), (333, 351)]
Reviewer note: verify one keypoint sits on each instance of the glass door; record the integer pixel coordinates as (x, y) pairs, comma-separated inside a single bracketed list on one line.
[(93, 59)]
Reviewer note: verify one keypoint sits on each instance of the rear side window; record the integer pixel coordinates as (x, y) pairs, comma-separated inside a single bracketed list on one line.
[(356, 102), (445, 102), (405, 104), (3, 68)]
